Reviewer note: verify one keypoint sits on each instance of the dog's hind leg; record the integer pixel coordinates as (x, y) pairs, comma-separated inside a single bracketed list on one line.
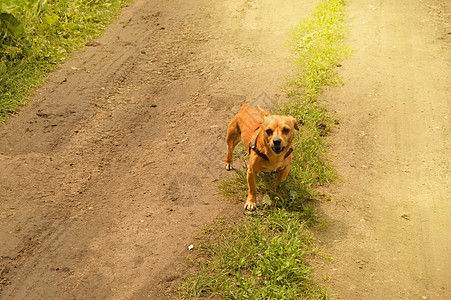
[(233, 138)]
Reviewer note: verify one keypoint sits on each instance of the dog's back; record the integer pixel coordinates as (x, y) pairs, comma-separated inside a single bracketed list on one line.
[(248, 120)]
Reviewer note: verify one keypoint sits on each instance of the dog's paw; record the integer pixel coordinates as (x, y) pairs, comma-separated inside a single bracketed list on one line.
[(228, 167), (249, 205)]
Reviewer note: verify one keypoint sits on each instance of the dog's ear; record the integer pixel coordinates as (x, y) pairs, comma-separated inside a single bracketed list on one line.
[(295, 122), (263, 112)]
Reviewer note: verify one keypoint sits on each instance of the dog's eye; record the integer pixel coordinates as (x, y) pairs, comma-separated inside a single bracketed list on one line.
[(269, 132), (286, 131)]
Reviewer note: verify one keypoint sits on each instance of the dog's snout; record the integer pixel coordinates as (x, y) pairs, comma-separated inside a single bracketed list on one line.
[(277, 141)]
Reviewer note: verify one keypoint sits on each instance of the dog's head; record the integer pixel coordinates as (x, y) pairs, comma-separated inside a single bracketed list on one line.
[(278, 130)]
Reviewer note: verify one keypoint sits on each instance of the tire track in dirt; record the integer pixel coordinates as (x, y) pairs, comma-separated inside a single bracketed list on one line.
[(390, 224), (111, 170)]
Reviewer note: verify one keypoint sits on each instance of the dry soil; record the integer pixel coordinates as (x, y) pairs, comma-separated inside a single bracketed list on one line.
[(390, 218), (111, 171)]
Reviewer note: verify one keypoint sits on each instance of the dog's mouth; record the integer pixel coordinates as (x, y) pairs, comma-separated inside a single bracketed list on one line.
[(278, 149)]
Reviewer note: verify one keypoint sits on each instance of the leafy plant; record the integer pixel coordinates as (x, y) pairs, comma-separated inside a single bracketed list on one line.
[(9, 24), (35, 35)]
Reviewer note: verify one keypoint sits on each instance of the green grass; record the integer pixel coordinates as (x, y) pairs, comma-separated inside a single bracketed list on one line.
[(269, 254), (264, 257), (46, 33), (318, 46)]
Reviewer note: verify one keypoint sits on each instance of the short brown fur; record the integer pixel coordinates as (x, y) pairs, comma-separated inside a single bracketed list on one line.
[(272, 135)]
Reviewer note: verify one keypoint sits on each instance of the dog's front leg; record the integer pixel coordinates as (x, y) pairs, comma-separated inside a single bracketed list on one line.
[(282, 175), (252, 194)]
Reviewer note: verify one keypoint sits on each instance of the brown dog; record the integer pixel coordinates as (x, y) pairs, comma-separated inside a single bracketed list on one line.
[(269, 140)]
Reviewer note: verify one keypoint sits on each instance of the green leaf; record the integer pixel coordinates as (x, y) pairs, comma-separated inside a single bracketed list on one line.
[(41, 5), (13, 25), (51, 19), (7, 6)]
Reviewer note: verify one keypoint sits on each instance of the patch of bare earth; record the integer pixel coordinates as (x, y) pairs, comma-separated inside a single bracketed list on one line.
[(390, 218), (112, 169)]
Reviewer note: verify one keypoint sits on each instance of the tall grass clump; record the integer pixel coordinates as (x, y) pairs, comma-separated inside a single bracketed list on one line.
[(35, 35), (269, 254)]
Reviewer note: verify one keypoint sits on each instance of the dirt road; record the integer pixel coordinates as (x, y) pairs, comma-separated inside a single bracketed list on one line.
[(390, 223), (110, 172)]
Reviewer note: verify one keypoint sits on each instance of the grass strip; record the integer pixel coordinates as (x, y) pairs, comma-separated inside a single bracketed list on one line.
[(263, 257), (42, 35), (269, 254)]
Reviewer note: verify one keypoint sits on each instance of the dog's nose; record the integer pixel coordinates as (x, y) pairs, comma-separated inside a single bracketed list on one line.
[(277, 141)]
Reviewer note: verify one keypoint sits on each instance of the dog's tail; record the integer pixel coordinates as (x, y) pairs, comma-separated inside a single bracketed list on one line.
[(244, 107)]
